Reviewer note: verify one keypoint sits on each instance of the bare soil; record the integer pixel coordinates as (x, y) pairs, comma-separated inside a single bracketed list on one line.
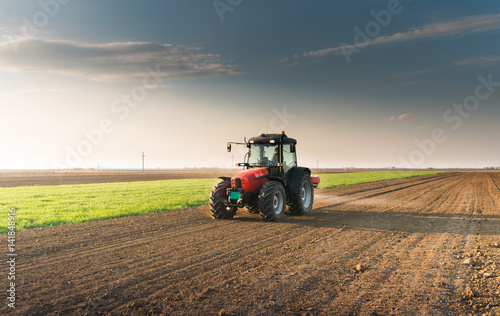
[(418, 246), (32, 178)]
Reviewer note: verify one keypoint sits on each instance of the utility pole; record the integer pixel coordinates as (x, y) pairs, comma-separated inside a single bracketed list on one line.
[(143, 161), (317, 164)]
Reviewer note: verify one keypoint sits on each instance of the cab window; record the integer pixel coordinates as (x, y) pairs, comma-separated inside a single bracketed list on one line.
[(289, 158)]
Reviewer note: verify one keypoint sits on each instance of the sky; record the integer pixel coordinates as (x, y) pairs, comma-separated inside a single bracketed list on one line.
[(367, 84)]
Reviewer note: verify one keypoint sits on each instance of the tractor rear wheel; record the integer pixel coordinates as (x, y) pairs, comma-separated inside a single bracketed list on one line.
[(272, 201), (301, 203), (218, 208)]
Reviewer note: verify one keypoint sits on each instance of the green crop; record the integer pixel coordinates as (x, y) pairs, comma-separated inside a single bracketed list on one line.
[(41, 206)]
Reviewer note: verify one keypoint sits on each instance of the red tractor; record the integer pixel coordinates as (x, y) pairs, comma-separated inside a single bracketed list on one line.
[(271, 180)]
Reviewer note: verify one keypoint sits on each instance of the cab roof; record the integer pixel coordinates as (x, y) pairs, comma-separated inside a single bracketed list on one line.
[(267, 139)]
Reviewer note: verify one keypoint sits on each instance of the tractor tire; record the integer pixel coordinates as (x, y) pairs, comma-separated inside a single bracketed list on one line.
[(272, 201), (302, 202), (218, 208)]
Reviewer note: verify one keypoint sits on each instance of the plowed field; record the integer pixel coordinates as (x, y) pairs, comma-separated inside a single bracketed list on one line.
[(418, 246)]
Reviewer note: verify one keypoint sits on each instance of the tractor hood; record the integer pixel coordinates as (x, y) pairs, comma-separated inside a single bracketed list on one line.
[(248, 181)]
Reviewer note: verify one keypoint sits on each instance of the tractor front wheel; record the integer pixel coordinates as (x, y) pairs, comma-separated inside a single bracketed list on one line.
[(302, 202), (218, 208), (272, 201)]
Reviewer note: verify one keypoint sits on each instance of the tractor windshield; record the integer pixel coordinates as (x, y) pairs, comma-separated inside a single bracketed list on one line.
[(263, 155)]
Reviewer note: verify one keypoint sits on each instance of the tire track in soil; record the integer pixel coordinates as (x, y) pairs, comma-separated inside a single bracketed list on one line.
[(348, 296), (134, 263), (431, 256), (379, 192), (407, 236), (403, 187), (211, 257), (483, 223), (404, 180)]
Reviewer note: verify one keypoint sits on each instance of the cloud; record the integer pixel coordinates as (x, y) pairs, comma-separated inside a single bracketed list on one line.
[(31, 92), (465, 25), (31, 96), (403, 116), (485, 60), (111, 62)]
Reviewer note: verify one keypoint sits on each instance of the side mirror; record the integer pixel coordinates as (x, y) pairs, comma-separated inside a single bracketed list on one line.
[(228, 148), (292, 148)]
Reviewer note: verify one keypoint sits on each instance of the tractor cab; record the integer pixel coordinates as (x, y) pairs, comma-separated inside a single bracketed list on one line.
[(273, 151)]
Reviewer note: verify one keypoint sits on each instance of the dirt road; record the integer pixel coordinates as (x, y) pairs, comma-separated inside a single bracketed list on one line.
[(419, 246)]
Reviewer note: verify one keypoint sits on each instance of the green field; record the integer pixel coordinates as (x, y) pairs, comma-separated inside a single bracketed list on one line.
[(339, 179), (42, 206)]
